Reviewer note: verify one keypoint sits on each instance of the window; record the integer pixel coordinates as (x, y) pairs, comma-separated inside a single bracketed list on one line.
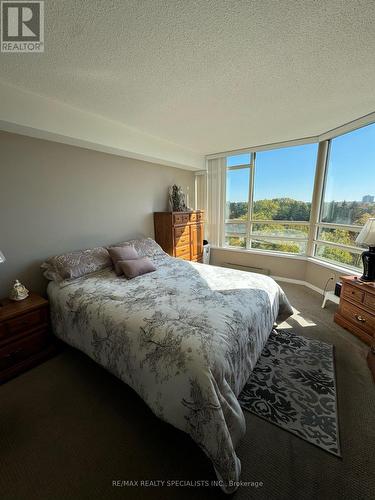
[(264, 209), (237, 200), (348, 197), (270, 203)]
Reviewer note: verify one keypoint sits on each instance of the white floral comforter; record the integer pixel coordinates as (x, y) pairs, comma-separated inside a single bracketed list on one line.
[(185, 338)]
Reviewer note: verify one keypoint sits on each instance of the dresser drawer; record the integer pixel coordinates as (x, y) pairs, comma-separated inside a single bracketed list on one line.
[(185, 256), (193, 217), (183, 252), (183, 240), (25, 322), (198, 258), (369, 301), (181, 231), (17, 352), (352, 293), (358, 316), (180, 218)]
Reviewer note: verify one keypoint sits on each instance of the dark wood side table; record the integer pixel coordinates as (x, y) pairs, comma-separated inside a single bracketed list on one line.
[(25, 338)]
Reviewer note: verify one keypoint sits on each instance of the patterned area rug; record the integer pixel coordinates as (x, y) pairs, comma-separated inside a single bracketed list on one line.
[(293, 385)]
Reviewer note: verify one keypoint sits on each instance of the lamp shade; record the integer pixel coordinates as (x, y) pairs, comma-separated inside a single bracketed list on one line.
[(367, 235), (2, 258)]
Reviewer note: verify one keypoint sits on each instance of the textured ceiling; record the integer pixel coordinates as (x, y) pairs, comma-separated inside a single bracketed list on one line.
[(208, 75)]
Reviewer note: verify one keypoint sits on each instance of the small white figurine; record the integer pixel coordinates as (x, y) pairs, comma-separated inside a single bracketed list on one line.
[(18, 291)]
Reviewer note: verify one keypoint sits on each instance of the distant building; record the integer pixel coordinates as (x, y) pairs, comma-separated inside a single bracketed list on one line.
[(368, 199)]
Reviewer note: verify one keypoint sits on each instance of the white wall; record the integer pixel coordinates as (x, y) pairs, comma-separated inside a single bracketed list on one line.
[(278, 266), (55, 198), (291, 268), (26, 113)]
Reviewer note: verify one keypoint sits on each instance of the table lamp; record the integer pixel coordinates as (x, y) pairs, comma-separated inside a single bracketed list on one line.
[(367, 237)]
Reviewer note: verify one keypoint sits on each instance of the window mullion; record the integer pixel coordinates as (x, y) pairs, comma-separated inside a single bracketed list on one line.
[(249, 226), (316, 202), (341, 246)]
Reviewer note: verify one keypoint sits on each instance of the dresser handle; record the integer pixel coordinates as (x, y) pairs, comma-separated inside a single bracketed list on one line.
[(360, 318), (24, 323), (13, 354)]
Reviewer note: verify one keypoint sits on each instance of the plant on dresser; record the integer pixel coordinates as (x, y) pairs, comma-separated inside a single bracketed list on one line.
[(356, 310), (25, 338), (180, 234)]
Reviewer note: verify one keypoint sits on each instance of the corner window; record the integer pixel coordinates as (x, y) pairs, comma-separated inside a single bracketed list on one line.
[(348, 197), (268, 199), (269, 204)]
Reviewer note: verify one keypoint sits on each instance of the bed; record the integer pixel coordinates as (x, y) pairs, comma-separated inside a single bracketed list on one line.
[(185, 337)]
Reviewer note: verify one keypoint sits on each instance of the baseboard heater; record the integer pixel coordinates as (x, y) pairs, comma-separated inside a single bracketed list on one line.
[(248, 269)]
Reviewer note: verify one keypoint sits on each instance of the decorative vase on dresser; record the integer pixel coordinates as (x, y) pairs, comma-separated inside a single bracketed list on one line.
[(356, 310), (180, 234)]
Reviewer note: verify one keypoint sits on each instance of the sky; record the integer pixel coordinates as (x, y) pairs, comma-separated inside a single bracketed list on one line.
[(289, 172)]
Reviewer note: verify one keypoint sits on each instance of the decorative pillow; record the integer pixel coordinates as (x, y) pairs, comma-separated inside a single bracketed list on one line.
[(146, 247), (136, 267), (76, 264), (122, 253)]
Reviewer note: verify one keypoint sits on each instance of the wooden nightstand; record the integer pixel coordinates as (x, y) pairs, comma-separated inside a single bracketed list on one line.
[(356, 311), (25, 338)]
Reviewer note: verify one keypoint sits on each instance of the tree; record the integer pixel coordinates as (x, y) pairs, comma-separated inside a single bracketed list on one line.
[(288, 209)]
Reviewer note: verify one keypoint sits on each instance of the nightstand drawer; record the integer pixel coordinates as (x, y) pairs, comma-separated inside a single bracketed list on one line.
[(352, 293), (16, 352), (358, 317), (370, 301), (25, 322)]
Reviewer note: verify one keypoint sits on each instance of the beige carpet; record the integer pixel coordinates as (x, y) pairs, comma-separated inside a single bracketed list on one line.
[(68, 429)]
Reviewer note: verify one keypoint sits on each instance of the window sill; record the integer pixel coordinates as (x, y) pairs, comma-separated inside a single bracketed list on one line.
[(334, 267), (283, 255)]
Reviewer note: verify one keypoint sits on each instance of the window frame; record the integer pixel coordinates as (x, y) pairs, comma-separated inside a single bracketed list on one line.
[(249, 196), (248, 234), (315, 223), (319, 224)]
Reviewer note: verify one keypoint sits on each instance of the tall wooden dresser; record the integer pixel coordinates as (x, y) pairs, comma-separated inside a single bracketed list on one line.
[(180, 234), (356, 311)]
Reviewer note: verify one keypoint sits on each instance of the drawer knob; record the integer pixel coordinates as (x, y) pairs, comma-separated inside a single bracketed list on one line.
[(13, 354), (24, 323), (360, 318)]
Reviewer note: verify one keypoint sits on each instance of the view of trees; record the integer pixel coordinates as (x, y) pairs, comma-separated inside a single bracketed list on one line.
[(348, 212), (275, 209), (288, 209)]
